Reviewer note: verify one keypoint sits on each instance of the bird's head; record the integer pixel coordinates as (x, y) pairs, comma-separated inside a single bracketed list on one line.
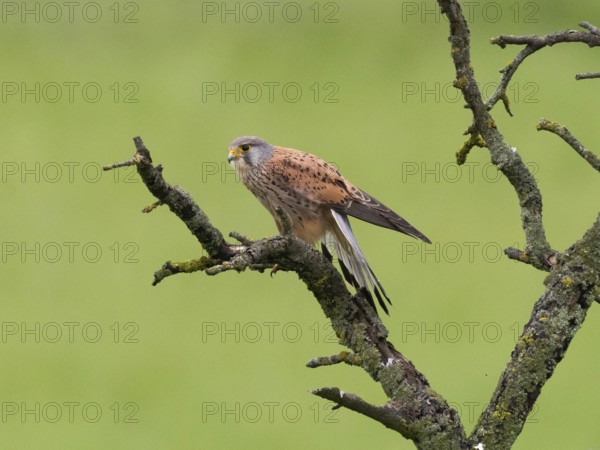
[(247, 152)]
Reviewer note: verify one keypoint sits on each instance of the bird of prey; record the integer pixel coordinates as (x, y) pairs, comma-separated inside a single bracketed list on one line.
[(318, 201)]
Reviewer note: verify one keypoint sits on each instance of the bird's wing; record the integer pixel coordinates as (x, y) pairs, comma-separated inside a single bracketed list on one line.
[(367, 208), (312, 178), (320, 182)]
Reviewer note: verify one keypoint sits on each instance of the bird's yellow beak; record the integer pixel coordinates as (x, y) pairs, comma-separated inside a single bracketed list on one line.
[(234, 155)]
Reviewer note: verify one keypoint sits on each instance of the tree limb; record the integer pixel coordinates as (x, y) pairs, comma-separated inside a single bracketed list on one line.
[(571, 288), (566, 136), (179, 202), (533, 44), (574, 281), (505, 158), (587, 75), (422, 414), (394, 415)]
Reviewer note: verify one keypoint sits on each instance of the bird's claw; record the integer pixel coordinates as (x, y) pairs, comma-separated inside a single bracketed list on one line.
[(274, 270)]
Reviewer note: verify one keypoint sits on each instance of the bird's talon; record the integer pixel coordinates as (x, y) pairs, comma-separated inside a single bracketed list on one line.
[(274, 269)]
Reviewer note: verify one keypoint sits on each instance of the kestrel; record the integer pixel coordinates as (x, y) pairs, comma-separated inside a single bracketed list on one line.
[(318, 201)]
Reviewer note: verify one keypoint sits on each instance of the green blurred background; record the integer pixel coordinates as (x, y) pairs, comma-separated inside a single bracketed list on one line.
[(218, 362)]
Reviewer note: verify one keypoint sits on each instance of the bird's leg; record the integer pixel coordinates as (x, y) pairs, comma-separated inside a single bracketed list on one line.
[(284, 223)]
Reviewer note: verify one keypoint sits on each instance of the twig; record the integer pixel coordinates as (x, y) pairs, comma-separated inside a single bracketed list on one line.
[(566, 136), (537, 42), (517, 255), (173, 268), (521, 256), (241, 238), (343, 357), (507, 74), (592, 28), (474, 140), (148, 209), (395, 415), (587, 75), (533, 44), (131, 162)]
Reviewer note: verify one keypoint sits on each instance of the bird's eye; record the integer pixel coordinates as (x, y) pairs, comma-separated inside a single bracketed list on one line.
[(245, 147)]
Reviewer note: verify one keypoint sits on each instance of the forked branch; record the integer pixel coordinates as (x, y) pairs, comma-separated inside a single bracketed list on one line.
[(419, 413)]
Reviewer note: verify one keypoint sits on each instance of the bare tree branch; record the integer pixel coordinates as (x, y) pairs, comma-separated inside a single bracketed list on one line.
[(423, 415), (396, 415), (505, 158), (587, 75), (588, 26), (179, 202), (536, 42), (575, 276), (343, 357), (566, 136), (533, 44), (571, 288)]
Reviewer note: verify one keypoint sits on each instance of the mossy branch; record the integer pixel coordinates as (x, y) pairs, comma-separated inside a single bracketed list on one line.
[(503, 156), (420, 413), (574, 279), (566, 136), (571, 288)]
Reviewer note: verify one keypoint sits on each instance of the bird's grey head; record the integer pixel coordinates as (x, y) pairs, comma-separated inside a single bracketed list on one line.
[(247, 152)]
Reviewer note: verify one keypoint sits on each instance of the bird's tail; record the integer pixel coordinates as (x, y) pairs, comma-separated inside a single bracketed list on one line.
[(354, 265)]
